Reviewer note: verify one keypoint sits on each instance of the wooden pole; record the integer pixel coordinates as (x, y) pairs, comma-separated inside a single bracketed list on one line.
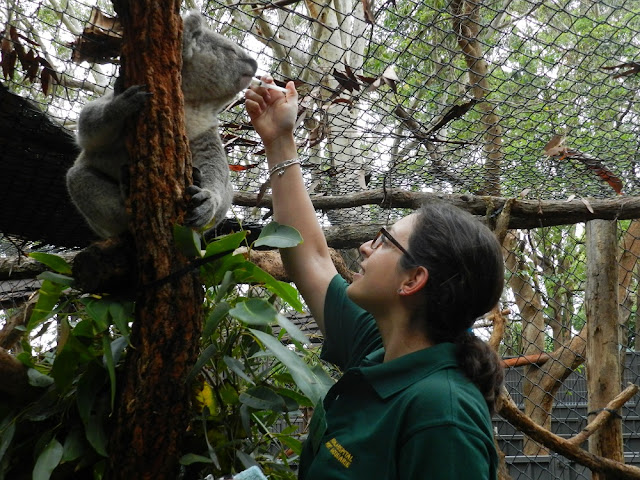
[(603, 341)]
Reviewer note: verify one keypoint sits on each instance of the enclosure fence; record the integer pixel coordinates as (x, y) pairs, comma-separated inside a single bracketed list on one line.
[(498, 104)]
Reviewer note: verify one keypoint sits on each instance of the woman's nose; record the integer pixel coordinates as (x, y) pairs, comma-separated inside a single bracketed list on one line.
[(365, 249)]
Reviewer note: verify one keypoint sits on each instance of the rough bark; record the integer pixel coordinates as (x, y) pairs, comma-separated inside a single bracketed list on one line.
[(153, 405), (524, 213), (603, 359), (626, 266)]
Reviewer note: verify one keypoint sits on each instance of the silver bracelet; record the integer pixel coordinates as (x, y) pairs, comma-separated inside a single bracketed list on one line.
[(282, 166)]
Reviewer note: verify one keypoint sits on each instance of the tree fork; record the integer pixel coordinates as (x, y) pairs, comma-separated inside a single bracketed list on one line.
[(153, 403)]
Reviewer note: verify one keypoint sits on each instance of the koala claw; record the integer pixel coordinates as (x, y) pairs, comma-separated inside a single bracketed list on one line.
[(200, 208), (197, 177), (132, 99)]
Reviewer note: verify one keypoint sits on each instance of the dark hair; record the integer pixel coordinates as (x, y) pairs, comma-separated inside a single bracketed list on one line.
[(466, 278)]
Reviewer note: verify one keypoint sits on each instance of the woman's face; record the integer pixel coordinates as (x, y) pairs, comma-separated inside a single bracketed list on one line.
[(380, 276)]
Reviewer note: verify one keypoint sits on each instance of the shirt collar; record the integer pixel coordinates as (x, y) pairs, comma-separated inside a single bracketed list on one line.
[(389, 378)]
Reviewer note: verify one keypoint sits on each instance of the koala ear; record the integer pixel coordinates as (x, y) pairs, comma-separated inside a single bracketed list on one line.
[(192, 29)]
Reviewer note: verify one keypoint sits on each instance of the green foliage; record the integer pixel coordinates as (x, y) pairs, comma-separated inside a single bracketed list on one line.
[(252, 379)]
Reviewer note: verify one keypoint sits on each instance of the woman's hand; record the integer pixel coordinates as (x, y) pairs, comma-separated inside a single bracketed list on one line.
[(273, 114)]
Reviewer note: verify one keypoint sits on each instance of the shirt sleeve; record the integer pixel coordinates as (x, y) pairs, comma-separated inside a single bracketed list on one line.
[(445, 452), (350, 331)]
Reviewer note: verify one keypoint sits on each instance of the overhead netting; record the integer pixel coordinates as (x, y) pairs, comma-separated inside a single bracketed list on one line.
[(518, 98)]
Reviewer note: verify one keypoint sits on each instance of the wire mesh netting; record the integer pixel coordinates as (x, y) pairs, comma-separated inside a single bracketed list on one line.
[(514, 98)]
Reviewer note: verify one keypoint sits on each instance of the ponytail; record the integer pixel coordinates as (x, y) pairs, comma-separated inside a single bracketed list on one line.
[(481, 365)]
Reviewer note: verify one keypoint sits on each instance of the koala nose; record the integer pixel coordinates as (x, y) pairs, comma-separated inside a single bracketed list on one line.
[(254, 65)]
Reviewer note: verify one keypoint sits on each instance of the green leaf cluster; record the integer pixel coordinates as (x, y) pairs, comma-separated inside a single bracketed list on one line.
[(256, 374)]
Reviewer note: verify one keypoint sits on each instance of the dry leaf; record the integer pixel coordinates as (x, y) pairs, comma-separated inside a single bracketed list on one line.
[(555, 147), (587, 204)]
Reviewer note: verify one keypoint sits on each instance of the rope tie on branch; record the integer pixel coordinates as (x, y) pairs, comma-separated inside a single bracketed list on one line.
[(613, 413)]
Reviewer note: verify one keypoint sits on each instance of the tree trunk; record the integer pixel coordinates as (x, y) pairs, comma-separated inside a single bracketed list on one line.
[(153, 404), (603, 341), (530, 307), (466, 25)]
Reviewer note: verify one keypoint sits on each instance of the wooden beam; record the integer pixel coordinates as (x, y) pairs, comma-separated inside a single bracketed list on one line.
[(524, 213)]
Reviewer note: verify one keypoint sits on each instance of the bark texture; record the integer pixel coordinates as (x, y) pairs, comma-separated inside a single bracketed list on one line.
[(603, 359), (153, 407)]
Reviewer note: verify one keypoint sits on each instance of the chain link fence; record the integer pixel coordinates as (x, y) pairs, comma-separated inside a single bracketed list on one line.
[(515, 99)]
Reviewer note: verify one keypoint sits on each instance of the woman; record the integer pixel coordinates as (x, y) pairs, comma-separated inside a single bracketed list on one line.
[(418, 387)]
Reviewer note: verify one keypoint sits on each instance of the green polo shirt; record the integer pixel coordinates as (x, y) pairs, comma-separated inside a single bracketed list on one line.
[(414, 417)]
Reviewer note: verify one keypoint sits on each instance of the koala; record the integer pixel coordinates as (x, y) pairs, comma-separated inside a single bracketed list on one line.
[(214, 70)]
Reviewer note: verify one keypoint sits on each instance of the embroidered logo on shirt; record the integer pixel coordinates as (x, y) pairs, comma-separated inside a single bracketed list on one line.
[(339, 452)]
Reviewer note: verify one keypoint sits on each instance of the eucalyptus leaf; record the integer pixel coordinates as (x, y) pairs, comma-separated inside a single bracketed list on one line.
[(26, 359), (214, 319), (54, 262), (38, 379), (191, 458), (121, 315), (263, 398), (306, 380), (278, 236), (48, 460), (88, 387), (57, 278), (188, 241), (291, 442), (75, 446), (213, 273), (247, 460), (64, 366), (98, 310), (226, 243), (292, 329), (228, 282), (237, 367), (254, 311), (117, 348), (202, 360), (95, 433), (7, 429), (110, 365), (295, 396), (48, 298), (248, 272)]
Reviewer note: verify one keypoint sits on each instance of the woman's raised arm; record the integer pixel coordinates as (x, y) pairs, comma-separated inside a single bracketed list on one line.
[(309, 265)]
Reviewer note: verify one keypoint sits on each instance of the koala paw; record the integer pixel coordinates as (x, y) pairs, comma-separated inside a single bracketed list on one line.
[(132, 100), (200, 208)]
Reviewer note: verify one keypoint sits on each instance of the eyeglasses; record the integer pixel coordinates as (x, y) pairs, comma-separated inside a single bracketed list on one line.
[(378, 240)]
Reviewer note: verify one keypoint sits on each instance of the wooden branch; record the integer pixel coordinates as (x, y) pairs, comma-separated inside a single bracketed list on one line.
[(510, 411), (13, 377), (497, 318), (9, 335), (535, 359), (270, 262), (524, 213), (19, 267), (605, 414)]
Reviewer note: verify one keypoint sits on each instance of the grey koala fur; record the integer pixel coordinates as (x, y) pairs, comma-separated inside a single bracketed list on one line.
[(214, 70)]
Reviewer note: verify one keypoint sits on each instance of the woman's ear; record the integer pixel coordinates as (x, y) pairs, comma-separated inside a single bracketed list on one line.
[(416, 280)]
